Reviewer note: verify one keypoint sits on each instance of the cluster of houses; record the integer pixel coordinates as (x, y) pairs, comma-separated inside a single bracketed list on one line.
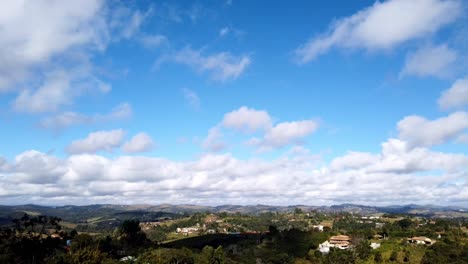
[(187, 230), (149, 225), (344, 242)]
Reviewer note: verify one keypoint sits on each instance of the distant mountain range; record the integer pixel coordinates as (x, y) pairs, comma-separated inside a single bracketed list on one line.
[(147, 212)]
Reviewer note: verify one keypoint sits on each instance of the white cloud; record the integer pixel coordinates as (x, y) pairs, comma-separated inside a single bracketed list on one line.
[(397, 157), (134, 26), (153, 41), (396, 175), (126, 23), (247, 120), (224, 31), (430, 61), (419, 131), (46, 49), (192, 98), (383, 25), (353, 160), (37, 167), (463, 139), (97, 141), (284, 134), (54, 93), (178, 14), (58, 89), (141, 142), (33, 32), (231, 32), (222, 66), (214, 141), (456, 96), (68, 119)]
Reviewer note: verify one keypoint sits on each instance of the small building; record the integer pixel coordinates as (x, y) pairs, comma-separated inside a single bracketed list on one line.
[(130, 259), (374, 245), (340, 241), (318, 228), (378, 237), (420, 240)]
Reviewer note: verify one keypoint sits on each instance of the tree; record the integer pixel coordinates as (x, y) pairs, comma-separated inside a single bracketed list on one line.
[(219, 257), (337, 256), (405, 223), (132, 238), (81, 241), (298, 210), (394, 256), (407, 256), (129, 227), (378, 257), (363, 249)]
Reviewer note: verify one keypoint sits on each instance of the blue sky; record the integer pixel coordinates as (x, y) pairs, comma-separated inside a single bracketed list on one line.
[(244, 102)]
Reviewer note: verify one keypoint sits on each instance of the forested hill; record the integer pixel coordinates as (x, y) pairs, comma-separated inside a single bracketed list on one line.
[(151, 212)]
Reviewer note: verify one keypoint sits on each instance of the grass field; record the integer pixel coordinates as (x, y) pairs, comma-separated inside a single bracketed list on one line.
[(416, 252)]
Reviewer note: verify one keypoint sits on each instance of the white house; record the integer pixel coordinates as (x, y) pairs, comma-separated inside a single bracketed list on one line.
[(374, 245), (420, 240), (318, 227)]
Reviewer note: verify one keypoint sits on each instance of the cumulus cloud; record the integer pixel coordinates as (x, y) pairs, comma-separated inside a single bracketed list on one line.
[(141, 142), (430, 61), (284, 134), (46, 49), (97, 141), (353, 160), (29, 40), (36, 167), (214, 141), (388, 177), (418, 131), (221, 66), (382, 26), (68, 119), (456, 96), (247, 120)]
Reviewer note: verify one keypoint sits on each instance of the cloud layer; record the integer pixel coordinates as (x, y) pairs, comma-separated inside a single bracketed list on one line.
[(398, 174)]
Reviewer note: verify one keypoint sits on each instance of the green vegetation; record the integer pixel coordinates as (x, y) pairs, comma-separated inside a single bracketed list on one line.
[(291, 237)]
